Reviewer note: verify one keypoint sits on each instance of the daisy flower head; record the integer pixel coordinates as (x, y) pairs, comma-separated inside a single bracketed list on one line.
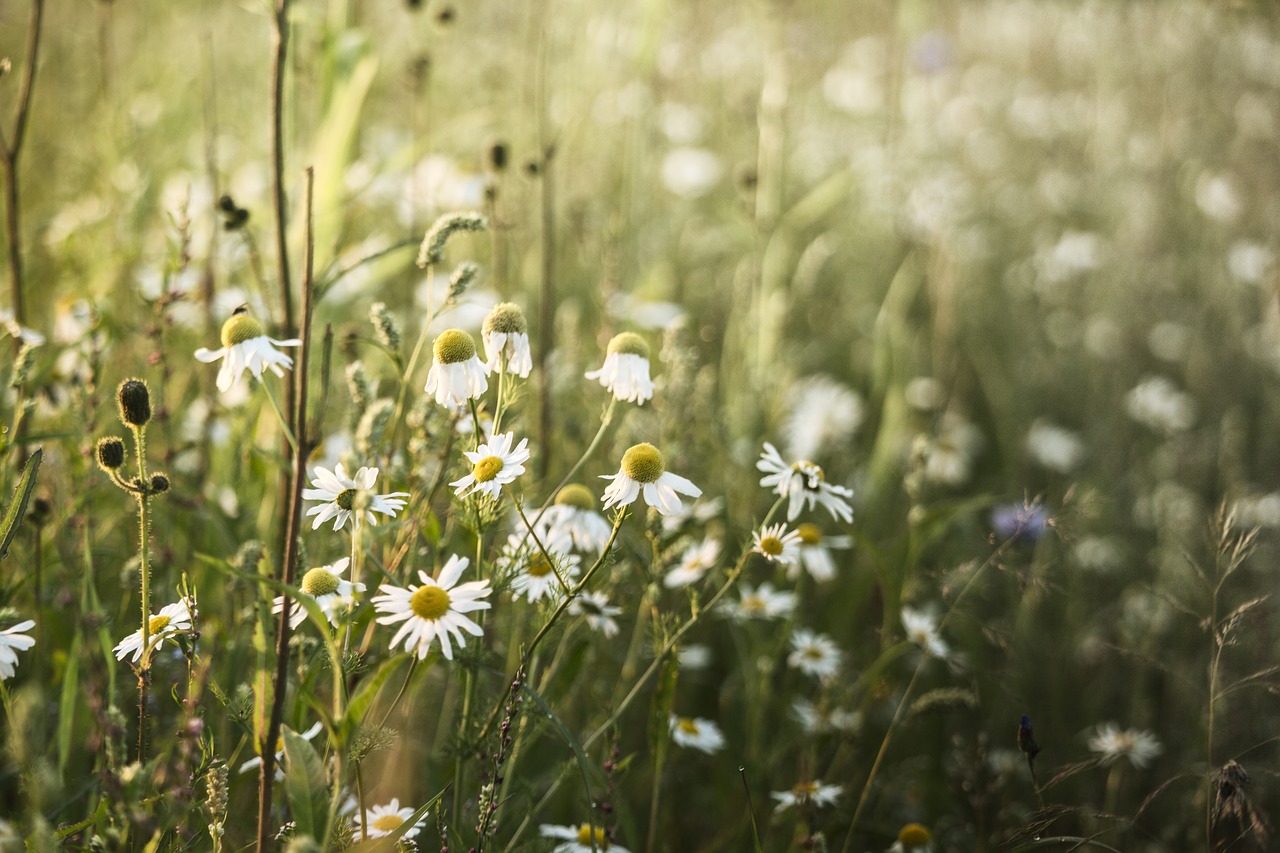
[(807, 793), (694, 564), (495, 463), (581, 839), (574, 516), (913, 838), (625, 371), (505, 334), (598, 611), (348, 499), (814, 654), (762, 603), (332, 594), (696, 733), (12, 641), (436, 609), (804, 484), (386, 819), (246, 346), (777, 544), (922, 629), (172, 620), (644, 469), (820, 719), (536, 576), (457, 374), (815, 553), (29, 337), (256, 761), (1137, 745)]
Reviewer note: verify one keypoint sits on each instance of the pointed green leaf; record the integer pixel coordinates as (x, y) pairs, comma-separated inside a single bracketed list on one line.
[(306, 783), (17, 507)]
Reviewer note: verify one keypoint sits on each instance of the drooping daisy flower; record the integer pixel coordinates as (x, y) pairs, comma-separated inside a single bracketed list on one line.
[(535, 577), (949, 456), (494, 464), (777, 544), (804, 484), (574, 515), (762, 603), (12, 641), (820, 719), (625, 371), (1137, 745), (696, 733), (437, 608), (172, 620), (581, 839), (385, 819), (694, 564), (256, 761), (814, 654), (246, 346), (807, 793), (644, 469), (506, 340), (457, 373), (822, 413), (598, 611), (332, 594), (913, 838), (815, 553), (347, 499), (922, 629)]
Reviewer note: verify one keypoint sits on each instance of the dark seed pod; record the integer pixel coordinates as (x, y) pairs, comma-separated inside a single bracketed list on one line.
[(135, 402), (110, 453)]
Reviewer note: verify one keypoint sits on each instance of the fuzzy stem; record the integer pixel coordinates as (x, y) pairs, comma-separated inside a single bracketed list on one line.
[(144, 557)]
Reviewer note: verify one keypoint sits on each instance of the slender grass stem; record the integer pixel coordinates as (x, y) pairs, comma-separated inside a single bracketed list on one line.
[(284, 423)]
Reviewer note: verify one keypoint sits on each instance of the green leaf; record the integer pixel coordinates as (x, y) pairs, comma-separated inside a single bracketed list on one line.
[(368, 691), (18, 506), (306, 784), (71, 829), (67, 703)]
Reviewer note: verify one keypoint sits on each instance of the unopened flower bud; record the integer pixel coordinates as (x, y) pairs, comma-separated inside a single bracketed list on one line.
[(110, 453), (159, 484), (135, 402)]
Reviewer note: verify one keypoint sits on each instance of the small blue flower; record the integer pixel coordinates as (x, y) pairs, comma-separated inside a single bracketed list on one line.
[(1025, 522)]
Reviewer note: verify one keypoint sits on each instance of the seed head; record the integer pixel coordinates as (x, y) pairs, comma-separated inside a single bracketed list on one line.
[(643, 463), (576, 495), (628, 343), (507, 318), (159, 484), (135, 402), (454, 346), (110, 453)]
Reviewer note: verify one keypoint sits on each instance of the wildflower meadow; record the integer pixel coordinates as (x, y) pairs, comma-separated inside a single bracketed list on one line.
[(550, 426)]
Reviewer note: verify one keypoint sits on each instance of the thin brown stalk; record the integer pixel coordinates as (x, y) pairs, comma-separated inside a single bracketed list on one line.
[(9, 151)]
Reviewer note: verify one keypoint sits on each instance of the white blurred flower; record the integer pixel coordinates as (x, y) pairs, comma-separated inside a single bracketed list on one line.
[(1218, 198), (581, 839), (1249, 262), (696, 733), (922, 629), (822, 413), (763, 602), (803, 484), (1054, 447), (598, 611), (506, 340), (1157, 403), (12, 641), (819, 720), (246, 346), (814, 654), (807, 793), (22, 333), (334, 595), (1112, 744), (949, 456), (695, 563), (256, 761), (385, 819), (625, 372), (691, 172), (535, 577), (815, 553), (574, 516)]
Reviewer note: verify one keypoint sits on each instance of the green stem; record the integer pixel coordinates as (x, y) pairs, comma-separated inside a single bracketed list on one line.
[(144, 558), (591, 448), (284, 423)]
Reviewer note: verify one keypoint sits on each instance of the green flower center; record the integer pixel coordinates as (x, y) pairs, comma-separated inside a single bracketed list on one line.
[(487, 468), (346, 499), (576, 495), (687, 726), (628, 343), (319, 582), (538, 566), (454, 346), (240, 328), (813, 653), (429, 602), (810, 534), (643, 463), (771, 545), (507, 318), (586, 834), (156, 624), (387, 822)]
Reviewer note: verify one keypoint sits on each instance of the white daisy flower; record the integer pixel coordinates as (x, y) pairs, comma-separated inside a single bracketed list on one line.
[(494, 464), (696, 733), (506, 340), (807, 793), (535, 578), (246, 346), (599, 612), (574, 516), (256, 761), (913, 838), (822, 413), (949, 457), (437, 608), (581, 839), (815, 553), (333, 595), (347, 499), (700, 511), (644, 469), (1156, 402), (385, 819), (814, 654), (457, 374), (1055, 447), (762, 603), (1137, 745), (12, 641), (172, 620), (625, 371), (804, 484), (777, 544), (922, 629), (28, 336), (695, 563), (820, 720), (694, 656)]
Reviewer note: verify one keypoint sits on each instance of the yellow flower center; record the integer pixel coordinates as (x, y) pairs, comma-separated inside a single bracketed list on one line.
[(507, 318), (810, 534), (771, 545), (240, 328), (804, 790), (454, 346), (643, 463), (429, 602), (586, 835), (576, 495), (753, 604), (487, 468), (538, 566), (809, 471), (687, 726), (319, 582), (914, 835), (387, 822), (628, 343), (156, 624), (346, 499), (813, 653)]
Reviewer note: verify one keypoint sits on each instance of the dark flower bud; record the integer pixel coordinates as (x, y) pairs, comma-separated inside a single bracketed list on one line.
[(39, 512), (497, 156), (135, 402), (110, 453), (159, 484)]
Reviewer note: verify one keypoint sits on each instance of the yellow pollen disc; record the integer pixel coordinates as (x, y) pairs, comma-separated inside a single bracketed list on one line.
[(538, 566), (429, 602), (585, 836), (576, 495), (628, 343), (810, 534), (805, 789), (156, 624), (240, 328), (454, 346), (506, 317), (386, 822), (346, 499), (808, 469), (487, 468), (687, 726), (643, 463), (771, 545), (914, 835), (319, 582), (813, 653)]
